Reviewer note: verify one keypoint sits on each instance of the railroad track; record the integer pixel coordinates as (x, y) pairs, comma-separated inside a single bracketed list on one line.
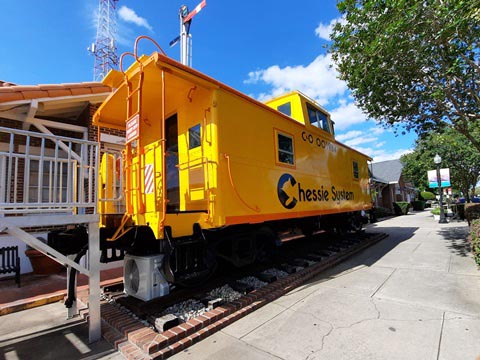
[(162, 327)]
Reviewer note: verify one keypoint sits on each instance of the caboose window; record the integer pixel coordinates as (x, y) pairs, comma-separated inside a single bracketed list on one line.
[(194, 137), (285, 109), (355, 170), (285, 149), (318, 118)]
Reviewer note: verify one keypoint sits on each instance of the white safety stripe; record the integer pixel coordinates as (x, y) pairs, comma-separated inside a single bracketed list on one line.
[(149, 179)]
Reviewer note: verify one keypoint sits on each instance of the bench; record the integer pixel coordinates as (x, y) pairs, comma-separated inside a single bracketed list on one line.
[(10, 262)]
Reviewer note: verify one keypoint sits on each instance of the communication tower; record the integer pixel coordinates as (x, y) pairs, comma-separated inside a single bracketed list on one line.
[(105, 49)]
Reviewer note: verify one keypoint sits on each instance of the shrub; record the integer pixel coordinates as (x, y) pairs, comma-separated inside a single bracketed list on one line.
[(401, 207), (381, 212), (418, 205), (472, 212), (435, 211), (427, 195), (475, 240)]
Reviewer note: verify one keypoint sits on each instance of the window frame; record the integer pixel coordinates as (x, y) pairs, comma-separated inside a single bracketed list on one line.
[(357, 172), (289, 104), (278, 151), (190, 137), (325, 121)]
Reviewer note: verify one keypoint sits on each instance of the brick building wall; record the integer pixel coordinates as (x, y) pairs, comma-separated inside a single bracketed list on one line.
[(93, 130)]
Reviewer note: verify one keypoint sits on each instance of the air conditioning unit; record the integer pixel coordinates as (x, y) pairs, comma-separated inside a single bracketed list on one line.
[(143, 277)]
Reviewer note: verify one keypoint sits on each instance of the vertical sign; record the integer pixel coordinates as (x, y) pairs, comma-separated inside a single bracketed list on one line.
[(444, 178)]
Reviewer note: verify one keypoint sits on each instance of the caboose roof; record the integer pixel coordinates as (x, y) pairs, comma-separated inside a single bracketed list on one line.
[(113, 112)]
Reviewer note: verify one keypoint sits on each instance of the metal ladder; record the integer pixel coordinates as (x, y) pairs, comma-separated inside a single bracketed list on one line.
[(132, 113)]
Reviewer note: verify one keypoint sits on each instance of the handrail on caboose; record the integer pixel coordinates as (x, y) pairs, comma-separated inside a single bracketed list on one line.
[(163, 142)]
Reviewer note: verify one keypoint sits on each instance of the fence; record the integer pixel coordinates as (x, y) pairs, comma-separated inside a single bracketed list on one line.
[(46, 173)]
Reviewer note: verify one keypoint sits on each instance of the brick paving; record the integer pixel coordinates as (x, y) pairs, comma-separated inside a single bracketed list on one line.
[(136, 341), (128, 335), (39, 290)]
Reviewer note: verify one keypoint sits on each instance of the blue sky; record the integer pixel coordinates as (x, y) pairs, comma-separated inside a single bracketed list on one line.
[(261, 48)]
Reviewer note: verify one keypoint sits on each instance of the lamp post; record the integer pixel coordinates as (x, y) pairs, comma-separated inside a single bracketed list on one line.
[(437, 160)]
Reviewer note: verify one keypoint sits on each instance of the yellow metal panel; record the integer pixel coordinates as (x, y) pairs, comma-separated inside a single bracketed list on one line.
[(321, 180), (252, 164), (296, 105), (113, 79), (105, 184)]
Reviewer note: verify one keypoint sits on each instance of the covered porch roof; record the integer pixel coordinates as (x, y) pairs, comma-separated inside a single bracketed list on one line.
[(51, 104)]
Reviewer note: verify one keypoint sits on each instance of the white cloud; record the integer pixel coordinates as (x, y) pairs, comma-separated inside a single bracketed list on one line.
[(323, 31), (379, 154), (377, 130), (318, 80), (354, 138), (371, 143), (347, 114), (383, 155), (129, 15), (361, 140), (349, 135)]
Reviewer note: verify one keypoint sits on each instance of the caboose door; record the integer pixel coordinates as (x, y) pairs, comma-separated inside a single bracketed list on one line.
[(173, 185)]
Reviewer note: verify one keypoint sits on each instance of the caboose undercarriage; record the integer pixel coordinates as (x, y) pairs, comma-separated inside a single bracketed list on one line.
[(191, 260)]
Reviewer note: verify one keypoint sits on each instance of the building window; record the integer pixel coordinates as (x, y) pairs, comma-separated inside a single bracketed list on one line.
[(194, 139), (318, 118), (285, 109), (355, 170), (285, 149)]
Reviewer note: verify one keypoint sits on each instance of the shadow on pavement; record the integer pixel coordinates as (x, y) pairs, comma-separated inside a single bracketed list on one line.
[(370, 255), (68, 341), (396, 235), (457, 239)]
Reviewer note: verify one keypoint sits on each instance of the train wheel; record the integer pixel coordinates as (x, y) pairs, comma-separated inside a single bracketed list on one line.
[(201, 275), (265, 243), (341, 229), (190, 261), (356, 226), (308, 226), (336, 224), (356, 222)]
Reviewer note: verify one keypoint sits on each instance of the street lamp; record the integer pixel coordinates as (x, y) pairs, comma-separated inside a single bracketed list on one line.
[(437, 160)]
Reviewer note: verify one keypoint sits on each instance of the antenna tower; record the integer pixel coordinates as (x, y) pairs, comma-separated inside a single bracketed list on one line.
[(105, 48)]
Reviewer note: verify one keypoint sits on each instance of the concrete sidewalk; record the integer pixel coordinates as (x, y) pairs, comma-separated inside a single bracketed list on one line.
[(414, 295), (44, 333)]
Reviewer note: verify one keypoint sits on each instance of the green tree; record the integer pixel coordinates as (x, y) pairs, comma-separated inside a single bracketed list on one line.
[(457, 153), (413, 64)]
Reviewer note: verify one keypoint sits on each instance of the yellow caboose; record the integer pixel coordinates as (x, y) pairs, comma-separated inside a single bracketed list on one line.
[(210, 172)]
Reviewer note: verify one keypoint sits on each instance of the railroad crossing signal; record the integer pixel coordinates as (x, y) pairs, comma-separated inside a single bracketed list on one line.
[(186, 17)]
